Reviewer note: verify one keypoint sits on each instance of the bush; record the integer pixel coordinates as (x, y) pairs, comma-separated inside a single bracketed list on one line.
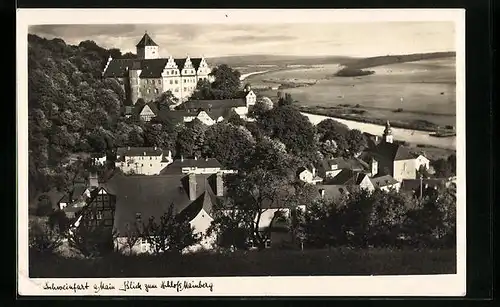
[(42, 238), (398, 110)]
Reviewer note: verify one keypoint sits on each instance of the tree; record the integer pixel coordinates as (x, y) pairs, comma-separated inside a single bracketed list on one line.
[(293, 129), (203, 91), (172, 233), (229, 144), (251, 194), (442, 168), (285, 100), (166, 100), (44, 206), (227, 82), (132, 235), (191, 139), (91, 240), (42, 238), (356, 141)]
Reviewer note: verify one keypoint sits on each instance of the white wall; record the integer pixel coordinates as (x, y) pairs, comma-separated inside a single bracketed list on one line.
[(146, 165)]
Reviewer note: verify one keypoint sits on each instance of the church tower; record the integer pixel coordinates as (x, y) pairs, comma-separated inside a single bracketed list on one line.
[(147, 48), (387, 137)]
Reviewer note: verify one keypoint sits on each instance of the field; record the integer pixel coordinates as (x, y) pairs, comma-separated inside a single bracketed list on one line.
[(423, 90), (264, 263)]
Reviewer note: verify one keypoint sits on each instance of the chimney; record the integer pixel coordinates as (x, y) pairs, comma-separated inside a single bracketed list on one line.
[(156, 148), (206, 158), (219, 184), (196, 157), (322, 193), (192, 186), (128, 148), (93, 180), (182, 158)]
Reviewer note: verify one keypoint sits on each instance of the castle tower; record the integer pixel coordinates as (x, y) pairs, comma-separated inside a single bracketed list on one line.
[(147, 48), (387, 137)]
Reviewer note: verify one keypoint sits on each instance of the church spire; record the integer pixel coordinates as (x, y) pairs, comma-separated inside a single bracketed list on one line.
[(388, 138)]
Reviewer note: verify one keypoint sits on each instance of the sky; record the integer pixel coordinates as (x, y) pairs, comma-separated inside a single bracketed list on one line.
[(214, 40)]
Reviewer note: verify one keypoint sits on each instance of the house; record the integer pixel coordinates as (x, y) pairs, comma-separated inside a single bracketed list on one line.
[(138, 198), (384, 183), (413, 185), (308, 175), (332, 192), (148, 111), (421, 161), (348, 177), (79, 194), (99, 159), (195, 165), (142, 160), (388, 158), (148, 75), (329, 168), (98, 208)]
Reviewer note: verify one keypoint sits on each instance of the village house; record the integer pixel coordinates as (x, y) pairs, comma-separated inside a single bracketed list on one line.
[(78, 195), (148, 75), (195, 165), (422, 161), (329, 168), (388, 158), (142, 160), (308, 175)]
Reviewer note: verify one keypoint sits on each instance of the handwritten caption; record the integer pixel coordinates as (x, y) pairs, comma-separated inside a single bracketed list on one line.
[(103, 287)]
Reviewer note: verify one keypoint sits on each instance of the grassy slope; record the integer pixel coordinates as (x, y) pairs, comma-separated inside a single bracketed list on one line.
[(269, 262)]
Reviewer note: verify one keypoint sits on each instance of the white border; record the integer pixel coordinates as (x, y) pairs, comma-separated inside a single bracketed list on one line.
[(433, 285)]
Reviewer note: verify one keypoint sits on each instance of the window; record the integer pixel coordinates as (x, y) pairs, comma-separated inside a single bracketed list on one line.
[(150, 164), (142, 165), (159, 81), (156, 91), (98, 215), (176, 81), (185, 89), (168, 73), (171, 82), (148, 91), (105, 197), (268, 243), (177, 89)]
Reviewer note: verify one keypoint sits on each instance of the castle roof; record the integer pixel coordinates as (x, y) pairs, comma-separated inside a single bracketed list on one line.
[(146, 41), (150, 68)]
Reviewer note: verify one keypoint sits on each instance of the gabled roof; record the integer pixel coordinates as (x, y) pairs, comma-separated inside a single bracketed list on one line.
[(196, 62), (414, 184), (146, 41), (214, 104), (151, 196), (176, 166), (180, 63), (383, 181), (393, 152), (333, 192), (152, 68), (138, 151), (151, 106), (354, 164), (347, 177)]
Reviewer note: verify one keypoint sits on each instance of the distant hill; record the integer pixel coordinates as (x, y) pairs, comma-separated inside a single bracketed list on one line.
[(279, 60), (394, 59)]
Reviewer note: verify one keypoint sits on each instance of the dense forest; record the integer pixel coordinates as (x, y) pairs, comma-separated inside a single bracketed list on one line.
[(71, 109)]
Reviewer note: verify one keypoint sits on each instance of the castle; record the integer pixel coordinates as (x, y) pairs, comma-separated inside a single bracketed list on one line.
[(148, 75)]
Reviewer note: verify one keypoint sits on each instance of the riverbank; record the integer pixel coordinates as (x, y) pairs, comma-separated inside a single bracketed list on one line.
[(412, 136)]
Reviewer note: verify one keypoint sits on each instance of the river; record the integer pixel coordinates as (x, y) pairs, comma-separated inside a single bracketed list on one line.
[(244, 76), (400, 134)]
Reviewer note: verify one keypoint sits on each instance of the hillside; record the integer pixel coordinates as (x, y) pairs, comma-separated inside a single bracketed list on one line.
[(71, 109), (393, 59), (279, 60)]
